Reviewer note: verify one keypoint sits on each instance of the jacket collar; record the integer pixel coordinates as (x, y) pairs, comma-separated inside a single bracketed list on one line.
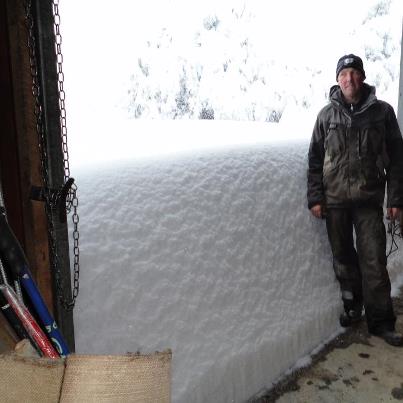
[(368, 98)]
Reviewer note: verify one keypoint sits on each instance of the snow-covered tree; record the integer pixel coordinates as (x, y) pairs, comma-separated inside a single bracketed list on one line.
[(225, 72)]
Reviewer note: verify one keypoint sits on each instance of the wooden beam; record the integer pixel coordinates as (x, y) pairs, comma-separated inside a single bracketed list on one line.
[(9, 156), (48, 80), (31, 217)]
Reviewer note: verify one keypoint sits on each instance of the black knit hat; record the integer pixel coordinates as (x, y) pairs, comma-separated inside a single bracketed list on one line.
[(350, 61)]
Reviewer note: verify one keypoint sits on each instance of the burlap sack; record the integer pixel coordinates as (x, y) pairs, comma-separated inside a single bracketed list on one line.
[(131, 378), (86, 378), (30, 380)]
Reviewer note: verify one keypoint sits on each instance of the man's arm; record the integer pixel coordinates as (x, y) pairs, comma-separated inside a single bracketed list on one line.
[(315, 191), (394, 148)]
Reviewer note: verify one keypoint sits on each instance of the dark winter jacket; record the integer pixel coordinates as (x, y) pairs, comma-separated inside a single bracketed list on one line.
[(354, 151)]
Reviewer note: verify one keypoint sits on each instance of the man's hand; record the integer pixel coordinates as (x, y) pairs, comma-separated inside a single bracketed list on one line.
[(316, 210), (393, 213)]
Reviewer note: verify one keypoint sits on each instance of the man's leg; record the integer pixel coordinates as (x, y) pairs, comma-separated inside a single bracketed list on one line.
[(371, 248), (345, 262)]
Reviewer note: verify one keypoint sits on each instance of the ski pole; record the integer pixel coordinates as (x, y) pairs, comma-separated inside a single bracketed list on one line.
[(30, 325), (12, 318)]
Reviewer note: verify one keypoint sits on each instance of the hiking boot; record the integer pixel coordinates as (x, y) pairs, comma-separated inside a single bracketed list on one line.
[(391, 337), (349, 318)]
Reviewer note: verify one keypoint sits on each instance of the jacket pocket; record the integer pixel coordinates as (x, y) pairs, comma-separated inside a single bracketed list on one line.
[(335, 140), (371, 141), (372, 176)]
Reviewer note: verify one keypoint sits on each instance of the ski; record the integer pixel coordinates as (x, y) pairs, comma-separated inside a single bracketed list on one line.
[(43, 313)]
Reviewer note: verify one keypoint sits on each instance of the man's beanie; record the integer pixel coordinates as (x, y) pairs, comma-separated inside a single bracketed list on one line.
[(349, 61)]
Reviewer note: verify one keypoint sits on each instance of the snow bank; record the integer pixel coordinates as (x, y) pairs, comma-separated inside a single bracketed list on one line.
[(212, 254)]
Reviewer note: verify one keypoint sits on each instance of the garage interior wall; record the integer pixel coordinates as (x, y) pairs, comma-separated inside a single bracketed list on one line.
[(20, 166)]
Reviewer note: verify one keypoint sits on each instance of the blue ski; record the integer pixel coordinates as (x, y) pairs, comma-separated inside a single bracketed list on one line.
[(43, 313)]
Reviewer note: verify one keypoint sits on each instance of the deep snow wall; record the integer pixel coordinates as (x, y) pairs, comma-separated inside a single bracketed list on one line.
[(212, 254)]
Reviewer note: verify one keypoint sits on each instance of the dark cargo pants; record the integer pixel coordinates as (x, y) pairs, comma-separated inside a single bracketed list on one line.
[(362, 272)]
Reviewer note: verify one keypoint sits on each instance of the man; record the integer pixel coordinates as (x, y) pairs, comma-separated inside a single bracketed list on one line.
[(356, 149)]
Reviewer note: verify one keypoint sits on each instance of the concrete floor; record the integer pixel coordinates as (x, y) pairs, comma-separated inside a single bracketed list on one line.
[(354, 368)]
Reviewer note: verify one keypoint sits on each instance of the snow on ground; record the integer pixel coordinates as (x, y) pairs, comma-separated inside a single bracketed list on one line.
[(211, 253)]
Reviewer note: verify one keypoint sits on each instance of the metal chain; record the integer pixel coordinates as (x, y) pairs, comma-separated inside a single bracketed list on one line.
[(72, 200)]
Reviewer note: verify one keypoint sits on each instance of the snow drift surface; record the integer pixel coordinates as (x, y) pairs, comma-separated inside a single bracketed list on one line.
[(212, 254)]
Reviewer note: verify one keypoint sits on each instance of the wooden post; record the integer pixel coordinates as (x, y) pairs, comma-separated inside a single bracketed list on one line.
[(50, 101), (9, 166)]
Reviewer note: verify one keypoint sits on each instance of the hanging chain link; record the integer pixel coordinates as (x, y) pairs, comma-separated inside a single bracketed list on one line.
[(72, 200)]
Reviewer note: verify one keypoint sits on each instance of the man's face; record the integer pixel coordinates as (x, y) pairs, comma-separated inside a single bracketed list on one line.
[(350, 81)]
